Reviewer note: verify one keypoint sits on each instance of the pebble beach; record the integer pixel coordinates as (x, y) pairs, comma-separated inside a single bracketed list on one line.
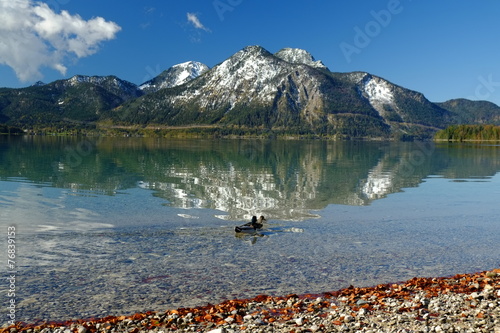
[(461, 303)]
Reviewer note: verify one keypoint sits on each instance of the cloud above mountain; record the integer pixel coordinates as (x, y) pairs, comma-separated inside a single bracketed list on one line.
[(195, 21), (33, 36)]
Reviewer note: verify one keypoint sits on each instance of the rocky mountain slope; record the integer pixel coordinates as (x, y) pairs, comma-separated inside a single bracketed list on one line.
[(287, 92)]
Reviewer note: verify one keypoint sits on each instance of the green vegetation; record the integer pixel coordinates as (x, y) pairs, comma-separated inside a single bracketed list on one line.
[(469, 133), (60, 102), (472, 112), (422, 112), (329, 132)]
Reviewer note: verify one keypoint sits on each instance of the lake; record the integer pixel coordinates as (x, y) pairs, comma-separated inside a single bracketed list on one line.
[(114, 226)]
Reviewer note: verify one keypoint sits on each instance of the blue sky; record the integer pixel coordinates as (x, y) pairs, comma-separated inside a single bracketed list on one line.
[(444, 49)]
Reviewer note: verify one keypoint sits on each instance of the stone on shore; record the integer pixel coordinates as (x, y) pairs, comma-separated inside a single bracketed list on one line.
[(462, 303)]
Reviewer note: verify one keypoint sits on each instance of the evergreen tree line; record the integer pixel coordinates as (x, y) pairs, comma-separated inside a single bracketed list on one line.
[(469, 133)]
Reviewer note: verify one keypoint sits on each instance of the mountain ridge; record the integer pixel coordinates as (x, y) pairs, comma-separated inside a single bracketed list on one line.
[(285, 92), (174, 76), (294, 55)]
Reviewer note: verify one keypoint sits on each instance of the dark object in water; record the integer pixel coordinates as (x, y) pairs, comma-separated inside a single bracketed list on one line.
[(252, 226)]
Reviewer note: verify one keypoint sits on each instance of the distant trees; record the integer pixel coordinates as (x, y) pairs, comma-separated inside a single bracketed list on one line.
[(4, 129), (469, 133)]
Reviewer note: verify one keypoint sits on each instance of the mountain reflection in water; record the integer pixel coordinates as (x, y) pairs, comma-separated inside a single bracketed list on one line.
[(281, 179)]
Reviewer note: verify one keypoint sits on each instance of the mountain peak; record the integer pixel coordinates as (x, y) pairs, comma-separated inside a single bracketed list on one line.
[(250, 74), (175, 76), (299, 56), (38, 84), (255, 49), (188, 71), (193, 66)]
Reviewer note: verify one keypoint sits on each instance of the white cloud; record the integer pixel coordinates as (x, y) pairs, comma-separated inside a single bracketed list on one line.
[(194, 20), (33, 36)]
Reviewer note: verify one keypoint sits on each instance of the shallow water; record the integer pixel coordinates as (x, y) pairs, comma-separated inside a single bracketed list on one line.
[(115, 226)]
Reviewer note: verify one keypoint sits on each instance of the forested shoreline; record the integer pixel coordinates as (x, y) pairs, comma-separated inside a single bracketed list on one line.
[(469, 133)]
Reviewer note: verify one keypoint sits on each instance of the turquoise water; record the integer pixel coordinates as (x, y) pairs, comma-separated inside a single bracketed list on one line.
[(119, 225)]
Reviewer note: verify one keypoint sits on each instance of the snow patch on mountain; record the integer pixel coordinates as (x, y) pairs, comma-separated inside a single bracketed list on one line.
[(100, 81), (299, 56), (110, 83), (175, 76), (86, 79), (188, 71), (378, 90)]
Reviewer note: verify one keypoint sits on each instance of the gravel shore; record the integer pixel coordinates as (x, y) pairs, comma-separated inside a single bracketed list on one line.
[(462, 303)]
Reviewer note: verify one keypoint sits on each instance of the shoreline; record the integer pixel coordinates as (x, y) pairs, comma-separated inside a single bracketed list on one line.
[(446, 304)]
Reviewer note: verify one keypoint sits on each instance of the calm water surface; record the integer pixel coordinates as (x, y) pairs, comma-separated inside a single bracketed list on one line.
[(111, 226)]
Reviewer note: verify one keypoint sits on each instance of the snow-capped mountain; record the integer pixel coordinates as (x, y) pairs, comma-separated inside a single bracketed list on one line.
[(240, 79), (175, 76), (299, 56), (288, 92), (252, 86)]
